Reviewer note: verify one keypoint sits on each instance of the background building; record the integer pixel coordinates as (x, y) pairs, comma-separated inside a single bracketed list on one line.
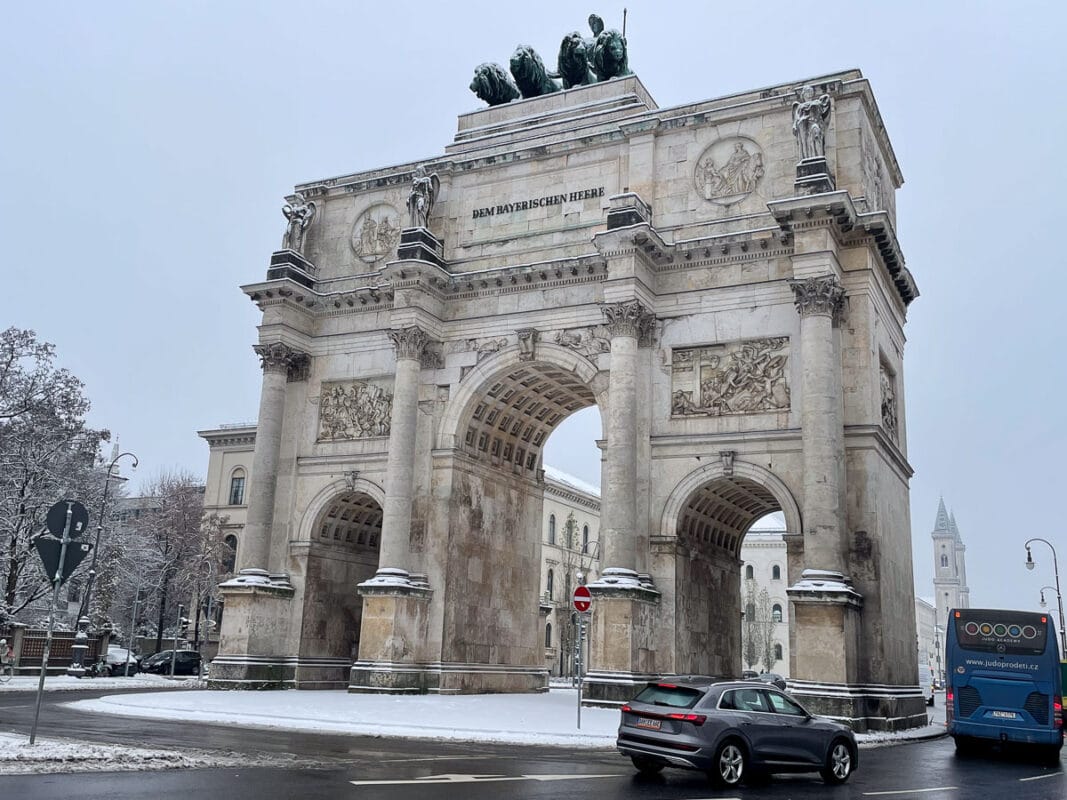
[(950, 567), (765, 624)]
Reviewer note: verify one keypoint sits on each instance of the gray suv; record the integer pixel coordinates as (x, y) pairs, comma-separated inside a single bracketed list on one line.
[(731, 730)]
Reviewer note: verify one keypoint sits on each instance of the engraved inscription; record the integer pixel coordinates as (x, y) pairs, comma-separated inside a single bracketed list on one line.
[(354, 410), (736, 378)]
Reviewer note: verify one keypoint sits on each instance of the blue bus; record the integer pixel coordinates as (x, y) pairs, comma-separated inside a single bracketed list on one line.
[(1003, 680)]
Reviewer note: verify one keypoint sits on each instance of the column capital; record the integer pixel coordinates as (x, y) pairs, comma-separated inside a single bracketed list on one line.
[(280, 357), (629, 318), (819, 295), (409, 342)]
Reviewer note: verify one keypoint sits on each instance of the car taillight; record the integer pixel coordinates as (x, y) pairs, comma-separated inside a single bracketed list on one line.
[(1057, 712), (627, 708), (696, 719)]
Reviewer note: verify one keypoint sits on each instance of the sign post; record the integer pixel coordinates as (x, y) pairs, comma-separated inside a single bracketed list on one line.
[(583, 603), (66, 519)]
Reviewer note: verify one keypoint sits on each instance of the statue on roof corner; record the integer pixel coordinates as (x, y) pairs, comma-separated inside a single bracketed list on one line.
[(609, 57), (811, 115), (298, 213), (424, 190)]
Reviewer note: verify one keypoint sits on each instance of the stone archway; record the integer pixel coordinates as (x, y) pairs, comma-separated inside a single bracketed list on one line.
[(703, 526), (343, 538)]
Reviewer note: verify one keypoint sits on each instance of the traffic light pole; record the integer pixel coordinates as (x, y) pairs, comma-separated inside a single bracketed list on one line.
[(177, 632), (57, 581)]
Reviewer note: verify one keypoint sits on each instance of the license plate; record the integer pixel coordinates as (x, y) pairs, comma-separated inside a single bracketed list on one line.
[(651, 724), (1003, 714)]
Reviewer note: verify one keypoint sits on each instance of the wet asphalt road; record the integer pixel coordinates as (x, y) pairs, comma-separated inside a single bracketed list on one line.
[(296, 765)]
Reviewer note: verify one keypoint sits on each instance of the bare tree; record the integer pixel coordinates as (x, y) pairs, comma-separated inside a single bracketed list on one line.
[(758, 629), (47, 453)]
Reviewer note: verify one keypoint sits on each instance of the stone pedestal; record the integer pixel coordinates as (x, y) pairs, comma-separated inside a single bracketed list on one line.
[(813, 176), (418, 244), (622, 649), (254, 640), (290, 264), (393, 634)]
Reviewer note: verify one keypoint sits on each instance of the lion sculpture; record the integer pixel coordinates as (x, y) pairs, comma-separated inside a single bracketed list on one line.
[(529, 73), (573, 62), (609, 56), (493, 85)]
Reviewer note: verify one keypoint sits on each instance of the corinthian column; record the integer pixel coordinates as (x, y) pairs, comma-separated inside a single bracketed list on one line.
[(395, 555), (626, 322), (277, 360), (818, 300)]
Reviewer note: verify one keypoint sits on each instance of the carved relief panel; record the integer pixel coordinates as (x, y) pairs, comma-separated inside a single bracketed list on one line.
[(735, 378), (889, 400), (590, 341), (729, 170), (354, 410), (376, 233)]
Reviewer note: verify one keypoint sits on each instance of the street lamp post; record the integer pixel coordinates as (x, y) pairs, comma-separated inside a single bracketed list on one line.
[(1059, 596), (80, 646)]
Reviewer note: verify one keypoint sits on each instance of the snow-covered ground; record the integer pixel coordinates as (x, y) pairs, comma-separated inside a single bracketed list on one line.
[(18, 757), (67, 683), (548, 719)]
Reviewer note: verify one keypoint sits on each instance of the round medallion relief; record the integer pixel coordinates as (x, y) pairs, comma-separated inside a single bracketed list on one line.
[(729, 170), (376, 233)]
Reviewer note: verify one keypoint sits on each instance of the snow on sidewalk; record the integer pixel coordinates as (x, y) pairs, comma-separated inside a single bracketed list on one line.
[(68, 683), (18, 757), (545, 719)]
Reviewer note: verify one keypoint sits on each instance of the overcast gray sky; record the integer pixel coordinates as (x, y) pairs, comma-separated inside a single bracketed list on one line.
[(145, 149)]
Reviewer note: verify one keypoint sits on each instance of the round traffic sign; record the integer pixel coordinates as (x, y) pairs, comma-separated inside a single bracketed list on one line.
[(56, 520), (582, 599)]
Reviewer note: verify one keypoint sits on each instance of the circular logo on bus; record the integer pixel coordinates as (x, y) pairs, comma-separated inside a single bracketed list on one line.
[(1015, 630), (1029, 632), (985, 628), (971, 628), (1000, 629)]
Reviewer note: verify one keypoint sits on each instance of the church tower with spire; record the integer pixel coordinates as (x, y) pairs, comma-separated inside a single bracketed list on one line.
[(950, 566)]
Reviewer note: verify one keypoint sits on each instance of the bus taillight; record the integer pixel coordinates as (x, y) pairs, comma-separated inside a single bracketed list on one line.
[(1057, 712), (949, 695)]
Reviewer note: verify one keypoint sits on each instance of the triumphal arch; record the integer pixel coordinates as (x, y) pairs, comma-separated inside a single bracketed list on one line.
[(722, 279)]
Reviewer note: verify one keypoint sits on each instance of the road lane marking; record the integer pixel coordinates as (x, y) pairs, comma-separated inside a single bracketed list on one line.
[(440, 758), (483, 779), (911, 792), (1041, 777)]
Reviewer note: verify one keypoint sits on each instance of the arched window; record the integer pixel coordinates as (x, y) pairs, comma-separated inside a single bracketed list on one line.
[(750, 611), (237, 487), (776, 572), (776, 613), (944, 560), (551, 528), (548, 634), (585, 538), (229, 554), (749, 573), (550, 584), (777, 652)]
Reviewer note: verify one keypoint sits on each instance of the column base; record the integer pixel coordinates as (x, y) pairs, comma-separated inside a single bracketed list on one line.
[(864, 707), (384, 677), (826, 618), (254, 632)]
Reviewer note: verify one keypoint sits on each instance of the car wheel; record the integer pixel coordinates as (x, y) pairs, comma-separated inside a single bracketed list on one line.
[(730, 762), (646, 766), (838, 762)]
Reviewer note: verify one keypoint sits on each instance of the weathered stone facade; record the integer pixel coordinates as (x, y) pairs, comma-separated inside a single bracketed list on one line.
[(576, 247)]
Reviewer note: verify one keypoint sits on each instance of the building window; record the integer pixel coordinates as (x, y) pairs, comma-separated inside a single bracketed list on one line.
[(944, 560), (750, 611), (229, 554), (777, 652), (749, 573), (548, 635), (776, 613), (551, 584), (551, 528), (776, 572), (237, 488), (585, 538)]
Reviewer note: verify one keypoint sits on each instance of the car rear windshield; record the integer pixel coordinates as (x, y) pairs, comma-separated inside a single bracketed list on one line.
[(666, 694)]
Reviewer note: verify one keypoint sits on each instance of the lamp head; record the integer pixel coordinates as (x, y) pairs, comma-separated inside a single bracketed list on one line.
[(1029, 559), (1043, 603)]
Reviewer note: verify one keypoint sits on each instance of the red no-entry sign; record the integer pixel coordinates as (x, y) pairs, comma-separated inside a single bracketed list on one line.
[(582, 599)]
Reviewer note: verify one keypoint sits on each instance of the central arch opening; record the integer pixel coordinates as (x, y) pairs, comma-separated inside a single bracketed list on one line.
[(506, 604), (712, 528)]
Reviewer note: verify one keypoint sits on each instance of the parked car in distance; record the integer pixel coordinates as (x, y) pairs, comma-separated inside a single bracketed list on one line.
[(772, 677), (116, 661), (731, 729), (926, 683), (186, 662), (749, 674)]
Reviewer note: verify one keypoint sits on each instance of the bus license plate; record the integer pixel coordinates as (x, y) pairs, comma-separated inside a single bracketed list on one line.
[(651, 724), (1004, 714)]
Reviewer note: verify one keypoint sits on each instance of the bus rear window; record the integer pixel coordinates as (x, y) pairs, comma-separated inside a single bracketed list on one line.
[(997, 631), (664, 695)]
